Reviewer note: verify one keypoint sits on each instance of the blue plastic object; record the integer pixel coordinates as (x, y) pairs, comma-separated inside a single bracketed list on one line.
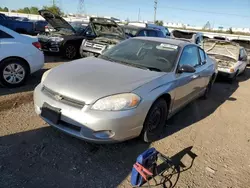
[(147, 160)]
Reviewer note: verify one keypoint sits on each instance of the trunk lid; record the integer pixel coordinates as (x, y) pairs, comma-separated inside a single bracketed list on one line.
[(57, 22)]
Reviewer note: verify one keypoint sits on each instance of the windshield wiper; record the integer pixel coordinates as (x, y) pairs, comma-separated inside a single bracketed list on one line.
[(153, 69)]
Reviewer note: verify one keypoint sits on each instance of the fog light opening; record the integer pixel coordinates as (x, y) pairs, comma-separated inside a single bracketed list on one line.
[(104, 134)]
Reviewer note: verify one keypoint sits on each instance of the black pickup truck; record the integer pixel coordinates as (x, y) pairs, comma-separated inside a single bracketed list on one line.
[(23, 27)]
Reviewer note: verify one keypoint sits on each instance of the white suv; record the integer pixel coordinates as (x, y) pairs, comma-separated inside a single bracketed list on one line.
[(20, 55)]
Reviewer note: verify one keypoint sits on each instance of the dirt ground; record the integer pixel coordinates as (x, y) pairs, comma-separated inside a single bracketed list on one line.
[(208, 143)]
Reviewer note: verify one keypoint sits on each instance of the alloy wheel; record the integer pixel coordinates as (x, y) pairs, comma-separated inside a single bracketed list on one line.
[(70, 52), (14, 73)]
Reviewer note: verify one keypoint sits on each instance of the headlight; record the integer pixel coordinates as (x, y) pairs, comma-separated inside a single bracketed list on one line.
[(45, 75), (56, 39), (117, 102), (231, 70)]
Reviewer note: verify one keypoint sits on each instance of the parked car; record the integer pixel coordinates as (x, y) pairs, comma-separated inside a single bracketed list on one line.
[(64, 39), (108, 33), (23, 27), (246, 45), (20, 56), (230, 57), (151, 26), (133, 31), (128, 91), (194, 37)]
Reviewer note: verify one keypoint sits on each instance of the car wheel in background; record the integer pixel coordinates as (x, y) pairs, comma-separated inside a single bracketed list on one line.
[(155, 121), (13, 72), (70, 51), (233, 79)]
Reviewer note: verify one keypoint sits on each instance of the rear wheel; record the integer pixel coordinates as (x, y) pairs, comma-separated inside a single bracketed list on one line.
[(13, 72), (70, 51), (208, 89), (155, 121)]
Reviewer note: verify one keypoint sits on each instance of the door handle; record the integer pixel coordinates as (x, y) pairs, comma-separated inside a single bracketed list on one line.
[(195, 76)]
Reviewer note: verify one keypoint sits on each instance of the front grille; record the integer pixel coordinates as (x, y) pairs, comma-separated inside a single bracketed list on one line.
[(94, 45), (66, 100)]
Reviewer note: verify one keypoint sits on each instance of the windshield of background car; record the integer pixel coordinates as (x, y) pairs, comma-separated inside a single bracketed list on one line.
[(144, 53), (79, 27), (243, 43), (222, 48)]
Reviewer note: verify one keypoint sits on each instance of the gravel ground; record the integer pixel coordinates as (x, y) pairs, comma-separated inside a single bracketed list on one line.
[(208, 142)]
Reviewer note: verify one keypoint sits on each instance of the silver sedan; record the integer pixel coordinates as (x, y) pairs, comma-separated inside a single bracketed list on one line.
[(131, 90)]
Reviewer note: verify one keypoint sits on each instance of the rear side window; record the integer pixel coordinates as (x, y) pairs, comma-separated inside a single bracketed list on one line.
[(4, 35), (160, 34), (152, 33), (142, 33)]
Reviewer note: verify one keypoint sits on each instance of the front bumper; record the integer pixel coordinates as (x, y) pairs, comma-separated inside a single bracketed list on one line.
[(226, 74), (86, 123)]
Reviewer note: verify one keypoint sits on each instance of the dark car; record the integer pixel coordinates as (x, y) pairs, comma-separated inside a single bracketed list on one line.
[(134, 31), (108, 33), (63, 38), (24, 27)]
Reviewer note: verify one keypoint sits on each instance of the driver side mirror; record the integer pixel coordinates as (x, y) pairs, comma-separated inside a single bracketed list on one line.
[(186, 68)]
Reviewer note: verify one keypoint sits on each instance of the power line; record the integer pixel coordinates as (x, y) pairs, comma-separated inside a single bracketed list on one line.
[(209, 12)]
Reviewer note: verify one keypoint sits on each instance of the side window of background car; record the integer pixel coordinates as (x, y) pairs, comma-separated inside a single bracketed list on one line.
[(202, 56), (142, 33), (152, 33), (160, 34), (190, 56), (4, 35)]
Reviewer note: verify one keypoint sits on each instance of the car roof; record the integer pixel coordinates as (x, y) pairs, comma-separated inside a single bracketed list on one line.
[(180, 43)]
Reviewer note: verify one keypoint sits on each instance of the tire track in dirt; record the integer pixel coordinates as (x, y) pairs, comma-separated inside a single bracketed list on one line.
[(16, 101)]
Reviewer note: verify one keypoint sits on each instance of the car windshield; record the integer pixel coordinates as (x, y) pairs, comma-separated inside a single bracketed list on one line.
[(152, 55), (79, 27)]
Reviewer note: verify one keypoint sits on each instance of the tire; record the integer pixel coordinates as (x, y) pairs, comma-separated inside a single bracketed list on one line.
[(155, 121), (70, 51), (13, 72), (232, 80), (208, 90)]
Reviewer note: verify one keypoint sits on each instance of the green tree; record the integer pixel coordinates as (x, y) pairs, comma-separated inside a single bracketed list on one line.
[(34, 10), (25, 10), (54, 9), (230, 31), (159, 22), (5, 9)]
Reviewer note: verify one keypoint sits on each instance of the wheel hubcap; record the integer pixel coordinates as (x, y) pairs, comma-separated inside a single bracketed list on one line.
[(155, 119), (70, 51), (13, 73)]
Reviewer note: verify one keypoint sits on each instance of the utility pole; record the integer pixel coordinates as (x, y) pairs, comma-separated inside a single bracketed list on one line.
[(155, 7), (54, 2), (139, 15)]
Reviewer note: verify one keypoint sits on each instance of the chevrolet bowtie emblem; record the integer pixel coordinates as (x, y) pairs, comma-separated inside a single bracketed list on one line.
[(58, 97)]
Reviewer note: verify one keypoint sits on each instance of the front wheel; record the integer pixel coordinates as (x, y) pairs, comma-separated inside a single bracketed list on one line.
[(233, 79), (70, 51), (155, 121), (13, 72)]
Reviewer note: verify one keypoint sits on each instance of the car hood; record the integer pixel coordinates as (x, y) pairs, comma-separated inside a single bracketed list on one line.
[(57, 22), (223, 48), (92, 78), (106, 27)]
